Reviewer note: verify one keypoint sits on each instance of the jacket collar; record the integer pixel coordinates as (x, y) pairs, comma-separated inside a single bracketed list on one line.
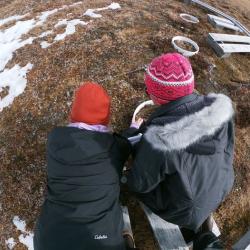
[(191, 128), (164, 109)]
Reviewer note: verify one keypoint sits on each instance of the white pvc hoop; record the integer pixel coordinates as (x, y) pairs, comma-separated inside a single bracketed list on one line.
[(140, 107), (189, 18), (184, 52)]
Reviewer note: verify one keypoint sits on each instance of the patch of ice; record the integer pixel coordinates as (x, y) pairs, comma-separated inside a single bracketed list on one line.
[(11, 18), (70, 27), (10, 243), (91, 12), (15, 79)]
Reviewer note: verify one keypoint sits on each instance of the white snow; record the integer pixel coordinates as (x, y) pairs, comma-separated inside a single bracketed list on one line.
[(45, 15), (70, 27), (10, 243), (11, 18), (114, 6), (45, 44), (91, 12), (12, 39), (26, 237), (46, 33), (74, 4), (20, 224), (15, 79), (27, 240)]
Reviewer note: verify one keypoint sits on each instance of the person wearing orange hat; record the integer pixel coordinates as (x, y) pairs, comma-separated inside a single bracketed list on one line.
[(84, 164)]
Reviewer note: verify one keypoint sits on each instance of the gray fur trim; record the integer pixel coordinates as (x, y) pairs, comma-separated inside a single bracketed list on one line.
[(190, 129)]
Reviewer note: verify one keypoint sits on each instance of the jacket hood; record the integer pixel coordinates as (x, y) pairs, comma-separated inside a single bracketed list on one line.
[(192, 128), (76, 146)]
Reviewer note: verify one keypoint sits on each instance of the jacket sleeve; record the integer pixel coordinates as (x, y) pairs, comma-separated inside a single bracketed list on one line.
[(130, 132), (148, 168), (120, 152)]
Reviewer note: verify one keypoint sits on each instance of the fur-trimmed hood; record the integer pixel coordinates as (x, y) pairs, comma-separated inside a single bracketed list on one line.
[(190, 129)]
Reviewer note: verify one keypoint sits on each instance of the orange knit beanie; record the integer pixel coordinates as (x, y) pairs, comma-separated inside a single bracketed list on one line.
[(91, 105)]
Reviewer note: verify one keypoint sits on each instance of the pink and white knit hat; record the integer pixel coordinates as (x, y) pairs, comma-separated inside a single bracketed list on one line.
[(169, 77)]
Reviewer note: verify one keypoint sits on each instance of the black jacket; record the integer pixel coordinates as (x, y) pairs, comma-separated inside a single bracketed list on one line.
[(182, 166), (81, 210)]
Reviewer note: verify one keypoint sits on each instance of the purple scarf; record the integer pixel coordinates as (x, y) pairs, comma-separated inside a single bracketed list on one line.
[(97, 127)]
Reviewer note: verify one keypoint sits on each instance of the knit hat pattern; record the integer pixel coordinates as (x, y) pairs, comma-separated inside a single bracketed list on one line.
[(169, 77)]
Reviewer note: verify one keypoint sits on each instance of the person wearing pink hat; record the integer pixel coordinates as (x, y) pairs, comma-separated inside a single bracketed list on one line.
[(182, 168)]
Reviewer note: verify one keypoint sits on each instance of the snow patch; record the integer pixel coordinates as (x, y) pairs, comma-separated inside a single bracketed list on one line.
[(46, 33), (27, 240), (11, 39), (26, 237), (45, 44), (10, 243), (70, 27), (12, 18), (20, 224), (75, 4), (114, 6), (15, 79), (91, 12), (45, 15)]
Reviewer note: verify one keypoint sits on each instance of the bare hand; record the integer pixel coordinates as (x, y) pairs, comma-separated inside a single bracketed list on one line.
[(137, 123)]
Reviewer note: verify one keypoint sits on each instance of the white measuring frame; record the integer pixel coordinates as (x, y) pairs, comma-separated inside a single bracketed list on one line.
[(184, 52), (189, 18), (140, 107)]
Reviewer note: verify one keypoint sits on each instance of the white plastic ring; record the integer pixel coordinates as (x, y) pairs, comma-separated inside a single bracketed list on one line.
[(189, 18), (183, 51), (140, 107)]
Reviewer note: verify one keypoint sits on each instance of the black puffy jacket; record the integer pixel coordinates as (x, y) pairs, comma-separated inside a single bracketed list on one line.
[(182, 166), (82, 210)]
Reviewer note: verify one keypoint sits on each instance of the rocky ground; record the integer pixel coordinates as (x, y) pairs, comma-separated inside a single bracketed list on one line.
[(112, 50)]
